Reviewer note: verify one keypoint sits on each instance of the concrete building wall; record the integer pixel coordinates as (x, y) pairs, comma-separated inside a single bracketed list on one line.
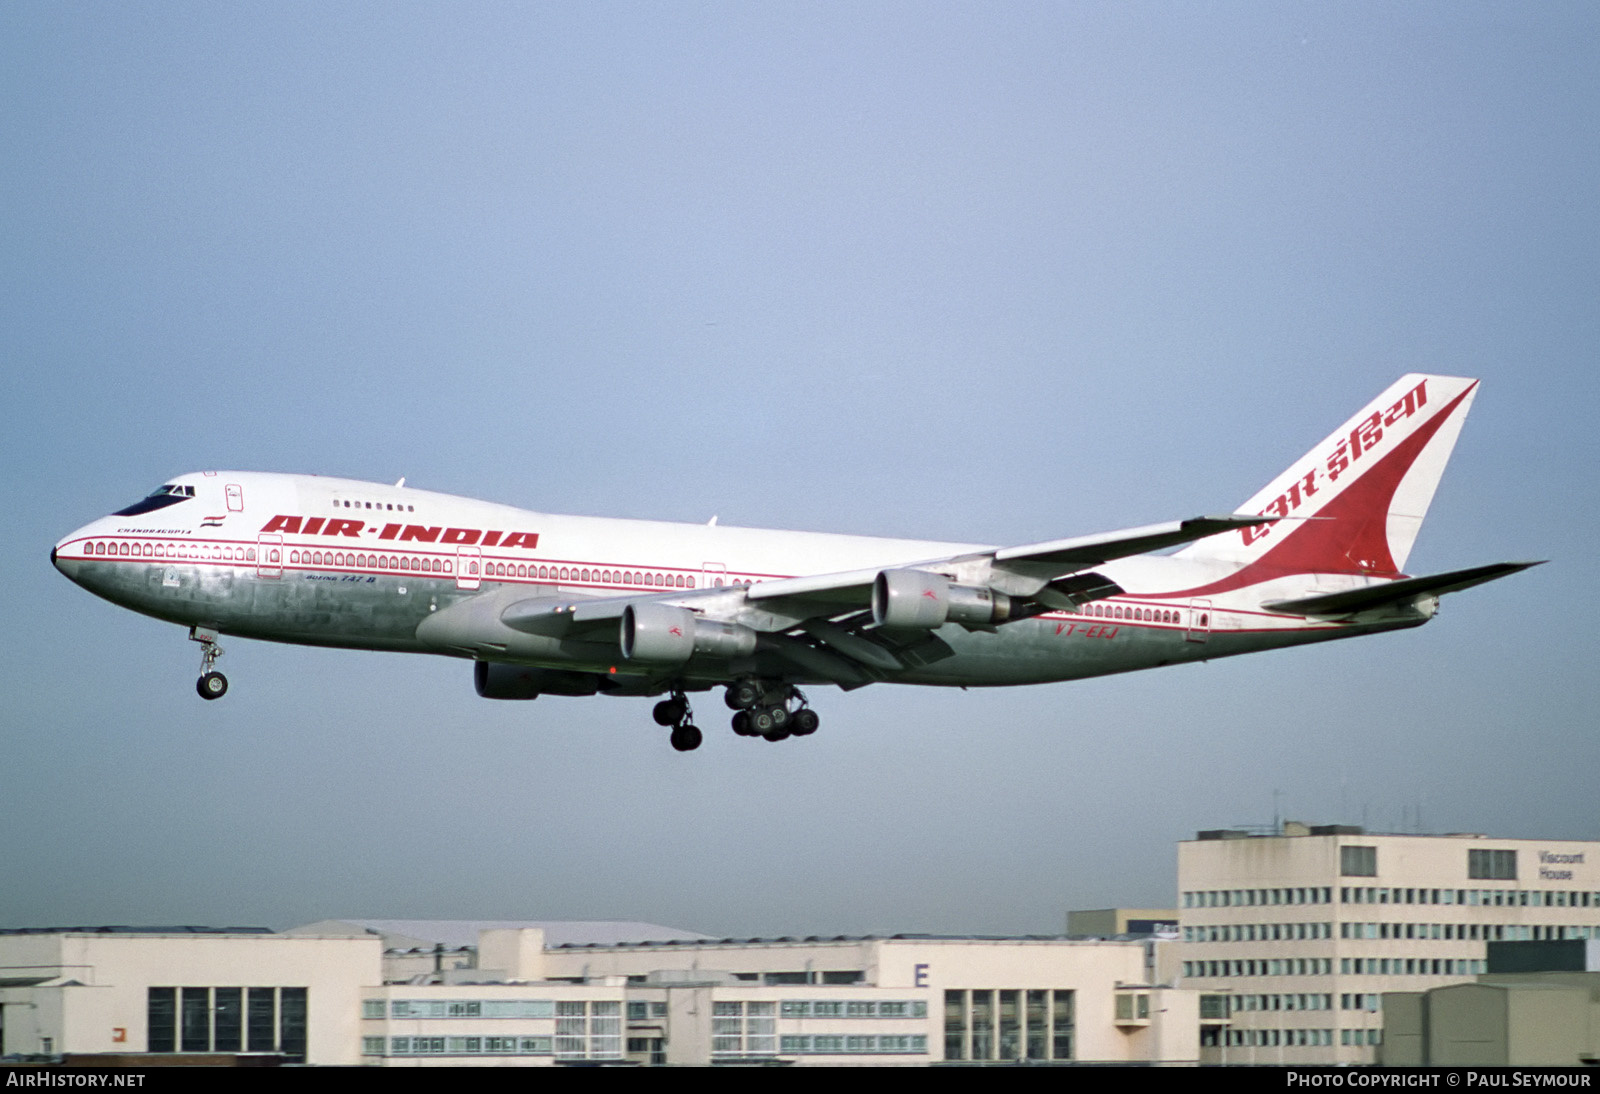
[(1542, 1020), (1548, 1025), (99, 1000), (976, 970)]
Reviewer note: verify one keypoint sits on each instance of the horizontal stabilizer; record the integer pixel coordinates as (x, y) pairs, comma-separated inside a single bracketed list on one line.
[(1393, 592)]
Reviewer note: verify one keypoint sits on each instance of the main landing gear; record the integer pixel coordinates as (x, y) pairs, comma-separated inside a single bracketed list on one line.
[(674, 711), (769, 710), (764, 708), (212, 684)]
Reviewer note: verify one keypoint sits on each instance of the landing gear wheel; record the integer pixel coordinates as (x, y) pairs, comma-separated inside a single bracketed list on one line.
[(742, 695), (212, 684), (741, 724), (686, 738), (777, 733), (804, 722), (761, 721), (780, 716), (669, 712)]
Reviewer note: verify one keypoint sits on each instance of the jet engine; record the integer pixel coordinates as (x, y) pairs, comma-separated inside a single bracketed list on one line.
[(669, 634), (916, 598), (497, 681)]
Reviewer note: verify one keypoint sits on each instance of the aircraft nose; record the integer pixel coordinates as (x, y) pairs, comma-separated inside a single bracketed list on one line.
[(63, 554)]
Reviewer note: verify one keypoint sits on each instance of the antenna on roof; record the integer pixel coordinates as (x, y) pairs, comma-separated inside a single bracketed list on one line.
[(402, 481)]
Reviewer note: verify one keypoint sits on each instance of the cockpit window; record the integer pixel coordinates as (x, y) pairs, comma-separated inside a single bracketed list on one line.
[(161, 497)]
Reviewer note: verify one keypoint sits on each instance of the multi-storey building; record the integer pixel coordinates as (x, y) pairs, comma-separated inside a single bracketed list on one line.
[(330, 994), (1294, 937)]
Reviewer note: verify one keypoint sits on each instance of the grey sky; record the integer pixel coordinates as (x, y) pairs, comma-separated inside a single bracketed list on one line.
[(971, 272)]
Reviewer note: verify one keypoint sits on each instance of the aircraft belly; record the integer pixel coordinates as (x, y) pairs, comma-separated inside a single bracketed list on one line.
[(363, 611), (367, 612), (1037, 651)]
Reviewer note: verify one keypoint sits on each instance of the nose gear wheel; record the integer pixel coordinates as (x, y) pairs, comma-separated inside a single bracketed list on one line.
[(212, 684)]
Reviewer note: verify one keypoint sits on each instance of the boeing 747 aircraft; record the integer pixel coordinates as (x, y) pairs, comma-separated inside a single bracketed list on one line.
[(562, 605)]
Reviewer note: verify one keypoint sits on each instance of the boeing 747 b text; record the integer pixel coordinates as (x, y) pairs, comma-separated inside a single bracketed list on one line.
[(562, 605)]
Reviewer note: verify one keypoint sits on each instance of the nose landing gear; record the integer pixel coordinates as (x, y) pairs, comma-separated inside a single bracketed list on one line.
[(212, 684)]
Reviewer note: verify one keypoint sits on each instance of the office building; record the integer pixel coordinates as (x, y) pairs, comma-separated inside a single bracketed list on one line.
[(1294, 937)]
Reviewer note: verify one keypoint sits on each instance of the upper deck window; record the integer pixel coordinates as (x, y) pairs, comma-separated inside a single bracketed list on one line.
[(161, 497)]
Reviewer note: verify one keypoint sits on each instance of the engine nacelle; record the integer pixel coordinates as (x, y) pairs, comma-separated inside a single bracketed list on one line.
[(667, 634), (916, 598), (497, 681)]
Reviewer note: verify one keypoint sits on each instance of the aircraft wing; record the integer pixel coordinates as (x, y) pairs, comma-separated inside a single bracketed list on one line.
[(1017, 571), (822, 623)]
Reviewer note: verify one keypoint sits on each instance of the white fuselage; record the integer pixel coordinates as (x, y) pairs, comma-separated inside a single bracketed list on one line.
[(336, 562)]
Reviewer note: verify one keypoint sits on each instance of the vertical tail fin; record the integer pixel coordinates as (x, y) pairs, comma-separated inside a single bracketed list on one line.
[(1362, 493)]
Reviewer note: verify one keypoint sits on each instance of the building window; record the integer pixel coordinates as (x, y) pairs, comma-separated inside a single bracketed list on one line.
[(1358, 861), (227, 1020), (955, 1025), (1492, 865), (162, 1019), (1133, 1007), (743, 1029), (1007, 1025)]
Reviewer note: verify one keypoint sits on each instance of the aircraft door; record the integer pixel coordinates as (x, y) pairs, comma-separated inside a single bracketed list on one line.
[(269, 556), (235, 494), (1199, 621), (714, 574), (469, 564)]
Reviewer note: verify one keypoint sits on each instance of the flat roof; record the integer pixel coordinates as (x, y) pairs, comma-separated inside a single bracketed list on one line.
[(812, 940), (119, 929)]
